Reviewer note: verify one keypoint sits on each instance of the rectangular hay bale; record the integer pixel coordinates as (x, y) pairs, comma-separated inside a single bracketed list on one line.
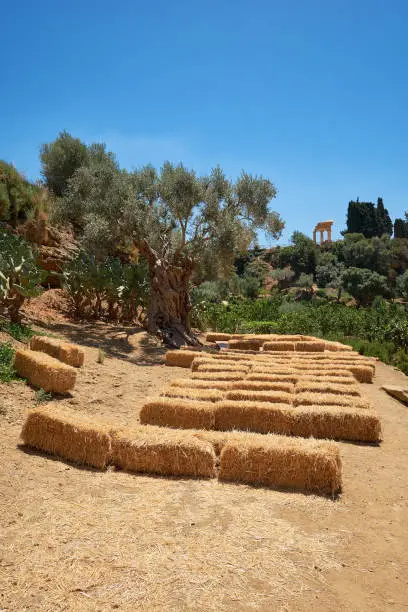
[(154, 450), (309, 346), (68, 353), (179, 413), (331, 422), (182, 359), (200, 384), (278, 346), (306, 398), (202, 395), (255, 385), (305, 465), (316, 386), (210, 376), (68, 434), (217, 337), (44, 372), (277, 397), (249, 345)]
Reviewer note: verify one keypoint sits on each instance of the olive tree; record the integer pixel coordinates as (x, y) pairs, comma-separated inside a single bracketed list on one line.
[(179, 221)]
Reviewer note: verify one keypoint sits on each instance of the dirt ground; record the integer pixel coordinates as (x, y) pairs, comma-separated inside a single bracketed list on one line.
[(80, 539)]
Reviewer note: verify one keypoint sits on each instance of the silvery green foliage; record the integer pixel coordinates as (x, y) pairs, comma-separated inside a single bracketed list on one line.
[(206, 218)]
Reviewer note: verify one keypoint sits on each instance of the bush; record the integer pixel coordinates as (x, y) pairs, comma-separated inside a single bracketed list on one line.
[(7, 372), (20, 277), (105, 289)]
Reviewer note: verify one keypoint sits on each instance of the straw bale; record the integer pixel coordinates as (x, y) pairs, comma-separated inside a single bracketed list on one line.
[(277, 397), (254, 385), (68, 434), (156, 450), (200, 384), (206, 395), (337, 346), (217, 337), (316, 386), (273, 369), (309, 346), (363, 374), (279, 346), (182, 359), (186, 347), (305, 465), (307, 398), (271, 378), (332, 422), (210, 376), (313, 371), (71, 354), (250, 345), (175, 412), (222, 367), (44, 371), (347, 379)]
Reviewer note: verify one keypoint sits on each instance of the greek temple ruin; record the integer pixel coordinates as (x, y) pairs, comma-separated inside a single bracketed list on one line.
[(323, 226)]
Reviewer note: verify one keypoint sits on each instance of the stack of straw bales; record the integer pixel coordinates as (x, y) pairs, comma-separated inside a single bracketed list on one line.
[(44, 371), (71, 354)]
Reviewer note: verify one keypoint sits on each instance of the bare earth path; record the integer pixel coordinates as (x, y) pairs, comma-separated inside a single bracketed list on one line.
[(77, 539)]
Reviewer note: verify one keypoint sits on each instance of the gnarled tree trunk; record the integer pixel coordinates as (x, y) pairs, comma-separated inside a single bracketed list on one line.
[(168, 313)]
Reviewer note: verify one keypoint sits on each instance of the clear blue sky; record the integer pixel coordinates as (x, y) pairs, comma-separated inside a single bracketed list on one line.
[(311, 93)]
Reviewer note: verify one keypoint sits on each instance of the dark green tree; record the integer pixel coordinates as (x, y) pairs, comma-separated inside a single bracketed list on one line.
[(20, 199), (60, 159), (364, 285)]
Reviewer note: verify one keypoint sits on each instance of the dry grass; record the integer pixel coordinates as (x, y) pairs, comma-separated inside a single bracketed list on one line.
[(183, 413), (276, 397), (200, 384), (279, 346), (309, 346), (254, 385), (71, 354), (68, 434), (182, 359), (44, 371), (306, 398), (203, 395), (276, 461), (162, 451), (331, 422), (316, 386)]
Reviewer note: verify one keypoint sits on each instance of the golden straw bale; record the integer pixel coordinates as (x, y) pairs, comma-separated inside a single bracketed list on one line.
[(249, 345), (175, 412), (72, 354), (182, 359), (206, 395), (336, 346), (210, 376), (277, 397), (44, 371), (347, 379), (68, 434), (200, 384), (217, 337), (332, 422), (363, 374), (307, 398), (222, 367), (254, 385), (260, 417), (279, 346), (278, 461), (316, 386), (273, 369), (155, 450), (186, 347), (309, 346), (265, 377)]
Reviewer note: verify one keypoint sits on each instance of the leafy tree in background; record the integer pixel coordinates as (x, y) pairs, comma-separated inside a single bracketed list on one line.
[(364, 285), (177, 220), (401, 227), (60, 159), (20, 199), (384, 223), (301, 256)]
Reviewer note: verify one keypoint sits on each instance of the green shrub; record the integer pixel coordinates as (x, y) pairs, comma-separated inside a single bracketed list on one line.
[(42, 396), (22, 333), (20, 277), (7, 372)]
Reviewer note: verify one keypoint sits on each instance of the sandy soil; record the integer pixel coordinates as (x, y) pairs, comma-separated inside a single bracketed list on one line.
[(79, 539)]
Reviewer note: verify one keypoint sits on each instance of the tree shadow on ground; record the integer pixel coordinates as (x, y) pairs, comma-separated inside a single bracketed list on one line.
[(129, 343)]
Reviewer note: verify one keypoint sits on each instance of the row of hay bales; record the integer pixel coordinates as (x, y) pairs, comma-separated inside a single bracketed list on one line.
[(49, 363), (276, 342), (270, 460)]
